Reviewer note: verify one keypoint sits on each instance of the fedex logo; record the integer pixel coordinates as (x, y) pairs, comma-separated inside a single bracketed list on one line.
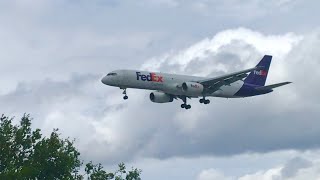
[(261, 73), (150, 77)]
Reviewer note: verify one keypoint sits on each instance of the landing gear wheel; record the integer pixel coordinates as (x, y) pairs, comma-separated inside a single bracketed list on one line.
[(201, 101), (207, 101), (184, 105), (125, 97)]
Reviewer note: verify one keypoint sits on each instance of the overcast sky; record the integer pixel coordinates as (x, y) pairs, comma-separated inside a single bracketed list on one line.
[(53, 54)]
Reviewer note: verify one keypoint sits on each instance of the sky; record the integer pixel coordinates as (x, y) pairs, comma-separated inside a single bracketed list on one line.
[(55, 52)]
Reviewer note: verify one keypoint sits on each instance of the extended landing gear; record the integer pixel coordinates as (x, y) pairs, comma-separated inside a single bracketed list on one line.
[(185, 105), (204, 101), (125, 97)]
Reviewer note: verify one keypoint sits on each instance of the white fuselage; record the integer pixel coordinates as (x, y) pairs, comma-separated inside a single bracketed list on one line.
[(168, 83)]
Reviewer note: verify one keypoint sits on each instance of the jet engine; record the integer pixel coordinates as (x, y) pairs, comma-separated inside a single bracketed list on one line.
[(192, 89), (160, 97)]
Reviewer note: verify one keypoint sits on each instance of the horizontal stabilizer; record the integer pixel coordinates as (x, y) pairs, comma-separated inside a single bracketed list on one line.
[(270, 87)]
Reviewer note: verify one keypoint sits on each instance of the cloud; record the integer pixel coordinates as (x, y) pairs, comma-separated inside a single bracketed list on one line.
[(212, 174), (243, 166), (271, 174), (226, 52), (57, 49), (241, 42), (139, 128), (168, 3), (294, 169), (54, 53)]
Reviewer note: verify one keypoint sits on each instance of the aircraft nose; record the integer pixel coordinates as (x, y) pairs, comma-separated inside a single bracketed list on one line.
[(104, 80)]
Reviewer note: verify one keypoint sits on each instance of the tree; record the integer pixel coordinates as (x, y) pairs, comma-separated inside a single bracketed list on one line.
[(25, 154)]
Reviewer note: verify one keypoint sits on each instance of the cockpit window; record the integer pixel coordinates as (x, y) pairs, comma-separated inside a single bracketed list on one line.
[(112, 74)]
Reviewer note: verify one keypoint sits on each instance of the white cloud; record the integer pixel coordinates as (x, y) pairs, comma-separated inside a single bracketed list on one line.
[(164, 131), (235, 42), (271, 174), (238, 167), (212, 174), (53, 54), (297, 168)]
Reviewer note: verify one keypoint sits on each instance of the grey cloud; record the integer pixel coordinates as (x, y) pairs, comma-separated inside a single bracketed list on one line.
[(43, 49), (88, 37), (225, 60), (56, 51), (292, 167), (82, 107), (28, 97), (85, 109), (259, 124), (66, 105)]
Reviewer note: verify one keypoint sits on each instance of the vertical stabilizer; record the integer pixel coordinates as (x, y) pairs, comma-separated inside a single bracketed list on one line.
[(259, 77)]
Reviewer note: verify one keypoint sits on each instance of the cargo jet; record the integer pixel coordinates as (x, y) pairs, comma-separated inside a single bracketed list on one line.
[(168, 87)]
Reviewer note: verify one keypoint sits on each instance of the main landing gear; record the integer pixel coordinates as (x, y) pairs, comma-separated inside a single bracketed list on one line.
[(185, 105), (125, 97), (204, 101)]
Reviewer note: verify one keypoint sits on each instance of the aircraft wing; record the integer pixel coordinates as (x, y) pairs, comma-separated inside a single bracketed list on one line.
[(213, 84)]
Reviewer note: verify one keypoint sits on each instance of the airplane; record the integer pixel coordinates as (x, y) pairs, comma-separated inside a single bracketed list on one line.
[(168, 87)]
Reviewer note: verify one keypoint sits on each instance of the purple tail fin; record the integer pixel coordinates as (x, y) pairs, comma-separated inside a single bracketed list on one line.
[(259, 77)]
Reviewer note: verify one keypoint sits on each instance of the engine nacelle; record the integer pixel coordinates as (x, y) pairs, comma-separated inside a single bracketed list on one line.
[(192, 89), (160, 97)]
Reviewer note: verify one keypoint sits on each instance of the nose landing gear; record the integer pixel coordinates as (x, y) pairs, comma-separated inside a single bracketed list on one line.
[(125, 97)]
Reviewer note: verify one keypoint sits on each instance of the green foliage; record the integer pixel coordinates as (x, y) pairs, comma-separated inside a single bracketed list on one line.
[(134, 174), (25, 154), (96, 172)]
